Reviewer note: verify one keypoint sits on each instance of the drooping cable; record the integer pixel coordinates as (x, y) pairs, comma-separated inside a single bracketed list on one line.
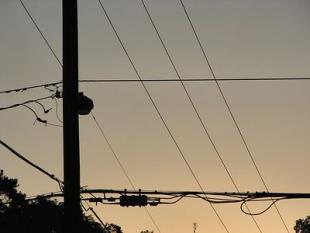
[(229, 109), (202, 123), (57, 111), (27, 102), (37, 118), (158, 112)]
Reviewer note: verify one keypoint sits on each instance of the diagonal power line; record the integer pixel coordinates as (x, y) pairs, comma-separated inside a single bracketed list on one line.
[(41, 33), (122, 167), (56, 83), (159, 113), (59, 62), (37, 167), (50, 175), (195, 109), (230, 110)]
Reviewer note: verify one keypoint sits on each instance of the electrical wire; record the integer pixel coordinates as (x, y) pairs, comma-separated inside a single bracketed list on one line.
[(205, 129), (41, 33), (57, 111), (22, 89), (53, 84), (94, 212), (261, 212), (32, 19), (159, 80), (158, 112), (229, 109), (122, 167), (155, 198), (194, 80), (53, 177), (27, 102), (37, 118)]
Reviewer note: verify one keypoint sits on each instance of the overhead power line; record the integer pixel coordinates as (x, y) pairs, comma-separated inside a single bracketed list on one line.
[(42, 170), (37, 167), (229, 109), (41, 33), (158, 80), (122, 167), (37, 101), (50, 84), (196, 79), (202, 123), (154, 198), (27, 102), (159, 113), (55, 84)]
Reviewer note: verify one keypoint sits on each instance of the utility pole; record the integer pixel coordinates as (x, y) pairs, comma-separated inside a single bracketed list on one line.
[(72, 209)]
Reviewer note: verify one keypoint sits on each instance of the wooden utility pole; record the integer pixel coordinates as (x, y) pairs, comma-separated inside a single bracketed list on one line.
[(73, 213)]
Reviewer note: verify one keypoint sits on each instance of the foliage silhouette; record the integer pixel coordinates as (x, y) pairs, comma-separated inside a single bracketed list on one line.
[(37, 216), (302, 225)]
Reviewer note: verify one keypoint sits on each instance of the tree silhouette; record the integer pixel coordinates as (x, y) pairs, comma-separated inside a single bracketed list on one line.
[(302, 225), (38, 216)]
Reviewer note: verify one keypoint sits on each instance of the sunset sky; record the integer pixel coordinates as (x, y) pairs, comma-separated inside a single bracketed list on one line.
[(242, 38)]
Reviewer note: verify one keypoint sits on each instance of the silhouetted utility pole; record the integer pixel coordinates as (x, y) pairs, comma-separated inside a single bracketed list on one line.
[(72, 207)]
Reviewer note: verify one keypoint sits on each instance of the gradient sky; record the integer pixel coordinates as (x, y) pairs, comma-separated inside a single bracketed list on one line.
[(243, 38)]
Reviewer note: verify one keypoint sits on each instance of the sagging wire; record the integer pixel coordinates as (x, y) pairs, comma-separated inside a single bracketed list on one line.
[(57, 111), (55, 96), (155, 198), (27, 102), (273, 202)]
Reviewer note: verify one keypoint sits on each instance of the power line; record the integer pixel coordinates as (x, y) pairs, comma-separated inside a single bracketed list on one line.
[(39, 168), (50, 84), (154, 198), (53, 177), (41, 33), (21, 89), (122, 167), (55, 84), (196, 79), (159, 113), (37, 101), (158, 80), (113, 151), (27, 102), (56, 55), (194, 107), (229, 109)]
